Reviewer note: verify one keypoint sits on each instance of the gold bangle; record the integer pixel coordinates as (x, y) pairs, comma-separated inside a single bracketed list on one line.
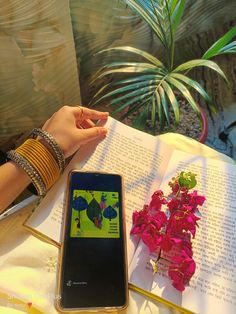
[(53, 169), (50, 167), (32, 156), (49, 174), (38, 166), (41, 160)]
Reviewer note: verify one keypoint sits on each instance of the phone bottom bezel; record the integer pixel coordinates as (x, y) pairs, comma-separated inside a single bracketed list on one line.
[(92, 309)]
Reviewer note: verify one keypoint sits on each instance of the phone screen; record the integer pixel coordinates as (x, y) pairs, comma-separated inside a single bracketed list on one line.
[(93, 262)]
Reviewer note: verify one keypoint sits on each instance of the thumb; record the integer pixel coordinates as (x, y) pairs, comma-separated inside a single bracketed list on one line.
[(87, 135)]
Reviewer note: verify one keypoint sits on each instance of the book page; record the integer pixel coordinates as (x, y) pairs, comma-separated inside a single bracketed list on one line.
[(213, 287), (141, 159)]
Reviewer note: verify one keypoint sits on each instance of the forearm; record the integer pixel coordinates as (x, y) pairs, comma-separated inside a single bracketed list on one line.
[(42, 156), (13, 181)]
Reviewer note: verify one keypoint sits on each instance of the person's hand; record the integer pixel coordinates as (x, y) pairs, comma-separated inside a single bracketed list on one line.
[(72, 127)]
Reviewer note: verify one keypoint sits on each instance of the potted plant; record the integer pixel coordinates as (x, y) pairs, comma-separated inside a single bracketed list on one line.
[(152, 88)]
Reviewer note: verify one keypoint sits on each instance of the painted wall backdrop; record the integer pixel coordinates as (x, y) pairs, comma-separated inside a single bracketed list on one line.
[(38, 69)]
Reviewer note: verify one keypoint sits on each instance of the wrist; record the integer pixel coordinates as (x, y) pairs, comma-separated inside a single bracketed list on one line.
[(41, 159), (54, 147), (25, 179)]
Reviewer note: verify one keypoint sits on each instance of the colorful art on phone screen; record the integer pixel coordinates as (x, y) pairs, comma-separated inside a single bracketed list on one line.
[(95, 214)]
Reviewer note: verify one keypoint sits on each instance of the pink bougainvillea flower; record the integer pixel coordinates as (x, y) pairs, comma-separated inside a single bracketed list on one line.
[(186, 246), (152, 232), (149, 228), (181, 220), (151, 237), (184, 198), (181, 270), (157, 200), (192, 199), (140, 219), (168, 241), (196, 200), (160, 219), (174, 204), (170, 228), (145, 208), (174, 186)]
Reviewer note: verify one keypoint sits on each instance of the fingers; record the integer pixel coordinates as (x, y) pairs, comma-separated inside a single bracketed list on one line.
[(87, 135), (86, 124), (86, 113)]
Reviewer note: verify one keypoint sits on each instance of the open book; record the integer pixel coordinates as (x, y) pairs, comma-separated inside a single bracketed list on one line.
[(147, 164)]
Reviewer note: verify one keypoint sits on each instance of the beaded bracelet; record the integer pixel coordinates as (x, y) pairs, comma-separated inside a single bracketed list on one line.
[(39, 164), (53, 145)]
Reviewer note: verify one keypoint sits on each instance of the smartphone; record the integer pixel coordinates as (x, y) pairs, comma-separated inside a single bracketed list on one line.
[(93, 268)]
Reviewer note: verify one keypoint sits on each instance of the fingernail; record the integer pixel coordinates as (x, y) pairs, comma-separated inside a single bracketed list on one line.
[(103, 131)]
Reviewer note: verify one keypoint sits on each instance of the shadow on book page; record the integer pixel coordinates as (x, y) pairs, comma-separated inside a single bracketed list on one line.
[(29, 200)]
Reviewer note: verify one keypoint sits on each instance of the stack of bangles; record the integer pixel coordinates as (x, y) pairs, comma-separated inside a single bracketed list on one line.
[(42, 163)]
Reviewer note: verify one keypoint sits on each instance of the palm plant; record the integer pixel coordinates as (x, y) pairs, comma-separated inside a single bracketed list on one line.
[(152, 85)]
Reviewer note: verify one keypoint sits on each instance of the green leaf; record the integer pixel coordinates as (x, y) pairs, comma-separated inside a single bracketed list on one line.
[(193, 84), (139, 78), (142, 78), (104, 87), (153, 113), (177, 15), (172, 5), (127, 70), (141, 120), (134, 86), (159, 110), (173, 101), (135, 108), (164, 104), (185, 92), (220, 43), (200, 62), (120, 64), (152, 12), (230, 48), (139, 52), (187, 180), (125, 65), (140, 91), (145, 11), (132, 101)]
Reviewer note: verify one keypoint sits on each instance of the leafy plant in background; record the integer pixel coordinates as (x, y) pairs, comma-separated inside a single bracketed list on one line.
[(152, 85)]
